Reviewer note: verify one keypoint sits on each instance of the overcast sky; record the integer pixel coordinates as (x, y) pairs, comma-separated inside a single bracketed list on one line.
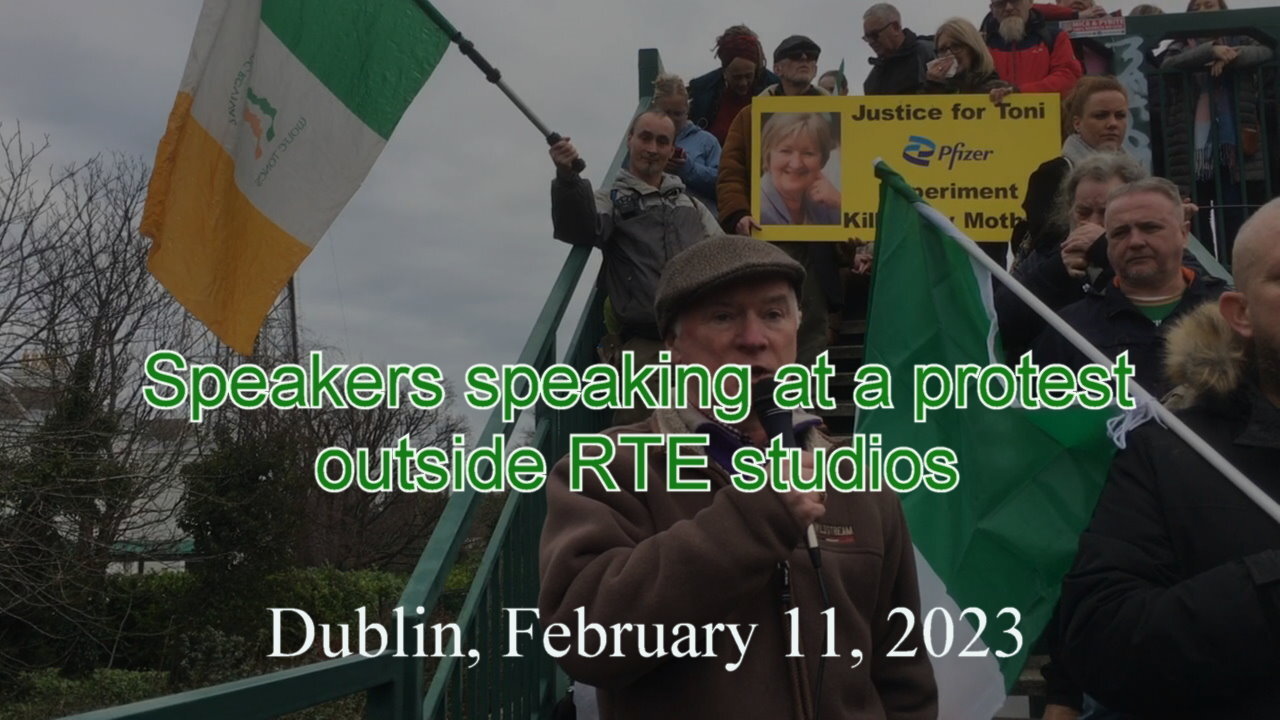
[(445, 254)]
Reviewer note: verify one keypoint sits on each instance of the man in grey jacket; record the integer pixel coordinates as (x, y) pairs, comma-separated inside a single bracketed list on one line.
[(645, 219)]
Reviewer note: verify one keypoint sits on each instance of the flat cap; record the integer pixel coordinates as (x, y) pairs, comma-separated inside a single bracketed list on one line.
[(716, 262), (794, 44)]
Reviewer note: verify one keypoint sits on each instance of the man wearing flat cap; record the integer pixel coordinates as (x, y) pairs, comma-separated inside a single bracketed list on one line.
[(727, 558), (795, 61)]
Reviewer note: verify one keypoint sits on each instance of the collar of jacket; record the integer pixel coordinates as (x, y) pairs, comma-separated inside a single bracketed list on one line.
[(907, 48), (1199, 288), (1263, 427), (775, 90), (724, 439), (1210, 365), (670, 183)]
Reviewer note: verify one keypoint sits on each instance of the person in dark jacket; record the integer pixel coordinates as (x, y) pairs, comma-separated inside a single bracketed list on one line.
[(1146, 236), (716, 97), (1212, 125), (1058, 275), (899, 65), (1097, 111), (963, 63), (1172, 608)]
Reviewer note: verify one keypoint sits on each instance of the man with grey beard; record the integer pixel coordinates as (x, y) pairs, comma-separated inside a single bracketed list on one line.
[(1028, 54), (1173, 606)]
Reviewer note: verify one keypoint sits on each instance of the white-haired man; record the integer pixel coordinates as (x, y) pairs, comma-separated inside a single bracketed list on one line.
[(1028, 54), (640, 558), (899, 66)]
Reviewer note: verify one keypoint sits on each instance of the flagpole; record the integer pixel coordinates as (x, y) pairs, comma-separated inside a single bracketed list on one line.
[(1144, 398), (493, 75)]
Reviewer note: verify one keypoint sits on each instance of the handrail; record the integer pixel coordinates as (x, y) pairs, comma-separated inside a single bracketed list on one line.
[(521, 518)]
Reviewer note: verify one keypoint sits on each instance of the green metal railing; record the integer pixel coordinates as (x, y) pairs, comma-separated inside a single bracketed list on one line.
[(507, 577)]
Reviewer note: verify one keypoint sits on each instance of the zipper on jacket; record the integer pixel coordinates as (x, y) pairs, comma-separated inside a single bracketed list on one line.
[(800, 691)]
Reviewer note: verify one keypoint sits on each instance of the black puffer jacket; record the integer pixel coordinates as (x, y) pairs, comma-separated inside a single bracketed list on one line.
[(1173, 606), (902, 72), (1181, 92)]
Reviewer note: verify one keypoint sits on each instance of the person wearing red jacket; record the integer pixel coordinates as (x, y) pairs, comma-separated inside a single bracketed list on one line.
[(1028, 55)]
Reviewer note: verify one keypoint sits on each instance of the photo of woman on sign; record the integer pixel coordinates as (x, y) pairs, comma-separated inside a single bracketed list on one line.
[(794, 150)]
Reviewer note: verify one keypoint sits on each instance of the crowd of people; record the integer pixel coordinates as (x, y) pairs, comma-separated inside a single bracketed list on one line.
[(1159, 580)]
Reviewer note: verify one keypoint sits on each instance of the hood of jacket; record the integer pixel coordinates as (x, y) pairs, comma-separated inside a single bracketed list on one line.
[(907, 48), (1204, 357)]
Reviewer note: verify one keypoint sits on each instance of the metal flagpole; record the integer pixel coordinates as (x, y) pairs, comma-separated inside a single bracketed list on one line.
[(492, 74)]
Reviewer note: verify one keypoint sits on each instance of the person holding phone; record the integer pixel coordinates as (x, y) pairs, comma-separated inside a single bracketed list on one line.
[(696, 157)]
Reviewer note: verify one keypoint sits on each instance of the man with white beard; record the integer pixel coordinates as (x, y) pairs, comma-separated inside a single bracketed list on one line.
[(1028, 54)]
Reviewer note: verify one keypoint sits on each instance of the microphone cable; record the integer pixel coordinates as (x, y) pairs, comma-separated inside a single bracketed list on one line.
[(777, 423)]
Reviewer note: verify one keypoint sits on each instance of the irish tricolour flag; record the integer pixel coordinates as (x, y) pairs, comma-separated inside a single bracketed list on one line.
[(283, 108), (1005, 536)]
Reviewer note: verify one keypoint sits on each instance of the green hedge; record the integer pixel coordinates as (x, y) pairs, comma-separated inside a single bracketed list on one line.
[(164, 617), (177, 631), (47, 694)]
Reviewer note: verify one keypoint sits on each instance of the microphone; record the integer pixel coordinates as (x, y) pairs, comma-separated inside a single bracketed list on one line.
[(777, 424)]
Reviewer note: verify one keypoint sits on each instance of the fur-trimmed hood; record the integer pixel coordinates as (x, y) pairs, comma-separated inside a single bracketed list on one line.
[(1203, 357)]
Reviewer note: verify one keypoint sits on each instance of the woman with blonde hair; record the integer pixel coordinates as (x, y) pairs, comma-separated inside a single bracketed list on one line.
[(963, 64), (794, 149), (696, 159)]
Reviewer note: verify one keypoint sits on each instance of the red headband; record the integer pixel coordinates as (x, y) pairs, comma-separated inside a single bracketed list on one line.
[(739, 46)]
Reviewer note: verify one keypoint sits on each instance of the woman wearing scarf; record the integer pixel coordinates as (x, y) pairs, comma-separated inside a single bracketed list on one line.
[(1097, 113), (1215, 112)]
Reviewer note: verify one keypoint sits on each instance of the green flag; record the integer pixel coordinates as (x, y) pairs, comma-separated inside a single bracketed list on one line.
[(1005, 536)]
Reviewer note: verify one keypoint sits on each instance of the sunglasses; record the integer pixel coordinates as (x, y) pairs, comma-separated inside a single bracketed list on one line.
[(800, 55), (875, 34)]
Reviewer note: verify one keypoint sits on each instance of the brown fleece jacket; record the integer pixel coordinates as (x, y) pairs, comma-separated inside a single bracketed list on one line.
[(733, 184), (661, 557)]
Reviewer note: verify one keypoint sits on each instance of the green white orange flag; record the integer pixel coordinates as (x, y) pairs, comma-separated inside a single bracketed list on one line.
[(283, 108), (1005, 536)]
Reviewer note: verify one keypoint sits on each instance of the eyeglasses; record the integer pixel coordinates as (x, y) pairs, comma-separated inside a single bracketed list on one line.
[(800, 56), (1002, 3), (949, 49), (875, 34)]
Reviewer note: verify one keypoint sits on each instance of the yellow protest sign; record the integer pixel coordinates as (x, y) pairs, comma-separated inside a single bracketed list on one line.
[(813, 157)]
